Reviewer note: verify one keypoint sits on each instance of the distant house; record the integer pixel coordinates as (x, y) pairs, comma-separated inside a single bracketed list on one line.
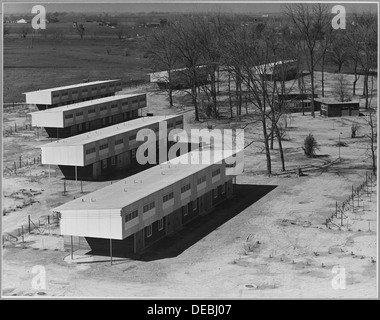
[(21, 21), (75, 24)]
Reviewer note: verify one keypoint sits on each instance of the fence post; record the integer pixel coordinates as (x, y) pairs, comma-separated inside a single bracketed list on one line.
[(15, 166), (49, 220), (81, 186), (20, 161), (29, 223), (22, 235), (15, 127)]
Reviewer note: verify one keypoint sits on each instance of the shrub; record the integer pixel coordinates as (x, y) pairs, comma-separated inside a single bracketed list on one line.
[(310, 145)]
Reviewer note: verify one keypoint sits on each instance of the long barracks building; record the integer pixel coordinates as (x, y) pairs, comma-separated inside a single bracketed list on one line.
[(137, 211), (59, 96), (77, 118), (89, 156)]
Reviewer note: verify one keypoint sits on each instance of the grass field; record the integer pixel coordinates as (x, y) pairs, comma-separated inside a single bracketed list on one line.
[(53, 62)]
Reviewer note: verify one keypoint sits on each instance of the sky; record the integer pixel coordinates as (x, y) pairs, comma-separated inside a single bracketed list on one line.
[(170, 6)]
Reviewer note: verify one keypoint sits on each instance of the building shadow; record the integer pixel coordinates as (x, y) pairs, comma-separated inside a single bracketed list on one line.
[(174, 244)]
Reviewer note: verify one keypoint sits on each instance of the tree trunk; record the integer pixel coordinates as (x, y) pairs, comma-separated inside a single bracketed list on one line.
[(323, 76), (312, 84), (279, 140)]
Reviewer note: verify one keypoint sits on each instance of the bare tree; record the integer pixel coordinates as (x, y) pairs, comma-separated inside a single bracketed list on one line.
[(80, 30), (120, 32), (341, 88), (164, 57), (340, 53), (366, 26), (6, 30), (24, 31), (309, 21)]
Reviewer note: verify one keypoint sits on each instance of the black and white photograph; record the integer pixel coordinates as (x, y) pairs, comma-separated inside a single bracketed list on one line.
[(189, 150)]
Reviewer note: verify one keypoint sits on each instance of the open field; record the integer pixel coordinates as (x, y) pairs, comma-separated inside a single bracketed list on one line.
[(269, 241)]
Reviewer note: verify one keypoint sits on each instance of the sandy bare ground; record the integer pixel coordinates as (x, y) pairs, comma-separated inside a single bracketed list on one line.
[(269, 241)]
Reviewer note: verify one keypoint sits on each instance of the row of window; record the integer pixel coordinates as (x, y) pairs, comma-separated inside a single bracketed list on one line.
[(103, 146), (149, 206), (216, 172), (102, 108), (131, 215), (91, 150), (168, 196), (83, 91), (185, 187), (201, 180)]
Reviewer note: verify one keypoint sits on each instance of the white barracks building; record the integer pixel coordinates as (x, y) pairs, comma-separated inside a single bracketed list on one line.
[(88, 156), (137, 211), (59, 96), (77, 118)]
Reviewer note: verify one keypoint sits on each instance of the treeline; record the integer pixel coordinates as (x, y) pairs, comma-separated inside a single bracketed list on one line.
[(243, 54)]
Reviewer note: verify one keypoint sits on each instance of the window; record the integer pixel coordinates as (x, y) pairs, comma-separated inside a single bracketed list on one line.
[(215, 172), (184, 211), (113, 161), (160, 224), (104, 164), (78, 114), (215, 193), (103, 146), (168, 196), (114, 106), (148, 231), (91, 150), (132, 137), (103, 87), (119, 141), (91, 111), (94, 89), (80, 127), (133, 153), (55, 95), (135, 101), (195, 202), (170, 125), (65, 94), (185, 188), (149, 206), (124, 103), (74, 92), (223, 188), (178, 123), (87, 125), (102, 108), (131, 215), (201, 179), (69, 116), (84, 91)]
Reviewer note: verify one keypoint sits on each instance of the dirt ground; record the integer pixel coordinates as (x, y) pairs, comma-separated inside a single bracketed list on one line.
[(269, 241)]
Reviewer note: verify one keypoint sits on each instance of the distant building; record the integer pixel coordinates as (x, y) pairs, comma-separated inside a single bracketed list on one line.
[(180, 78), (329, 108), (22, 21), (278, 70), (81, 117), (59, 96)]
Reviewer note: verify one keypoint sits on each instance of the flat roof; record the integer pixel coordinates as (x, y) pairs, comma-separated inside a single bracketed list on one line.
[(72, 86), (88, 137), (331, 101), (87, 103), (134, 188)]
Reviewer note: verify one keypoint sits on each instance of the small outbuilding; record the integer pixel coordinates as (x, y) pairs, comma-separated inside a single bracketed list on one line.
[(339, 109)]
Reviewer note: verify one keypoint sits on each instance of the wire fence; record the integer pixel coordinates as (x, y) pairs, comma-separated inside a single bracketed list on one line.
[(349, 208), (44, 225), (20, 162)]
